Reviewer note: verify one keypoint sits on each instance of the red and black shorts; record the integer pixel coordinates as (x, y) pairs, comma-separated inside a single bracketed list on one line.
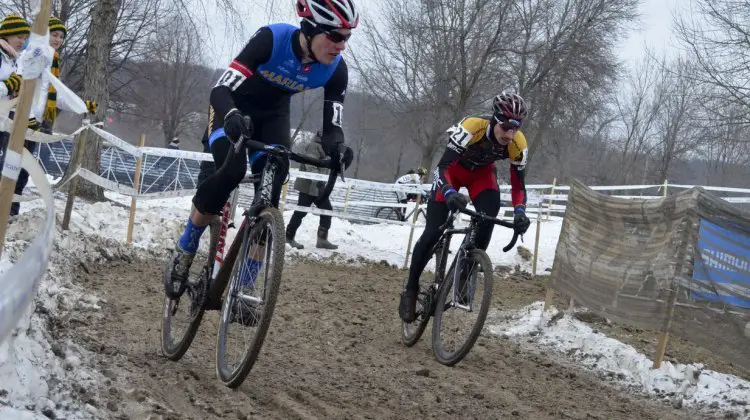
[(477, 180)]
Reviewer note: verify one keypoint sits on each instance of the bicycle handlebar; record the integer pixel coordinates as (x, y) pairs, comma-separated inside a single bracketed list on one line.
[(281, 151), (484, 217)]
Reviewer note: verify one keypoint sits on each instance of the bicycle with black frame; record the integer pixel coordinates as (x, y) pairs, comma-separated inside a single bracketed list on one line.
[(223, 281), (455, 292)]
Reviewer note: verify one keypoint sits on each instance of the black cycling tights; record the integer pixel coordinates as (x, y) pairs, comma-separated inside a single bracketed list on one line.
[(487, 201), (215, 188)]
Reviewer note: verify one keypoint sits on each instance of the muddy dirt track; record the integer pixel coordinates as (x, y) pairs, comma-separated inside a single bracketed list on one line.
[(333, 352)]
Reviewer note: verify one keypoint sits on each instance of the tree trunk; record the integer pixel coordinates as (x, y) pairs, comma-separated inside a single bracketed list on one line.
[(64, 13), (400, 158), (357, 162), (360, 152), (103, 23), (302, 120)]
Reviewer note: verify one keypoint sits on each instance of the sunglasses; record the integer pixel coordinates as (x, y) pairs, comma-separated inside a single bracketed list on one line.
[(508, 124), (337, 37)]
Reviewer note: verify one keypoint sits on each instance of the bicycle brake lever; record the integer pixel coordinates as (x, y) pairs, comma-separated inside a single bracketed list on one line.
[(238, 144)]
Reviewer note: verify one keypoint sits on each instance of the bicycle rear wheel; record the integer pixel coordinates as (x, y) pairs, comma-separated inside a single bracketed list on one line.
[(178, 330), (247, 309), (453, 305), (181, 317), (412, 332)]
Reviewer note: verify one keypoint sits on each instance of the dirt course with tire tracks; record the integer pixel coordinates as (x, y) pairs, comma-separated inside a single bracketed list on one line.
[(333, 352)]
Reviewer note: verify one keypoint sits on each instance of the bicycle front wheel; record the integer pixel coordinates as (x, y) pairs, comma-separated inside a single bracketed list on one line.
[(462, 305), (250, 297)]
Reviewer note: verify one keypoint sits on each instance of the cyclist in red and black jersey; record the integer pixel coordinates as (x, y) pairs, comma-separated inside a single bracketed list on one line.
[(474, 144)]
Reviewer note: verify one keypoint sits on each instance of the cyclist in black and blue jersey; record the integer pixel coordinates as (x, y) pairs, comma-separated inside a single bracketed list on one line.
[(279, 61)]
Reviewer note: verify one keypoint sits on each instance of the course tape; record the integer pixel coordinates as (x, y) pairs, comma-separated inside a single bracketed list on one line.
[(6, 125), (19, 285), (178, 154), (105, 183), (57, 187), (116, 141), (348, 216)]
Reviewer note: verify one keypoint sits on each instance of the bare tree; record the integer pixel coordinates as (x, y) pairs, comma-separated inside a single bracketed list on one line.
[(726, 154), (637, 108), (102, 50), (307, 108), (562, 60), (679, 128), (717, 34), (174, 85), (429, 61), (96, 87)]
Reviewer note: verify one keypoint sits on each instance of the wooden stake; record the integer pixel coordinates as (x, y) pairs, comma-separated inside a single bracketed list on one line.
[(550, 291), (284, 190), (136, 189), (551, 193), (411, 231), (13, 154), (78, 158), (661, 348), (536, 239), (549, 296), (346, 200)]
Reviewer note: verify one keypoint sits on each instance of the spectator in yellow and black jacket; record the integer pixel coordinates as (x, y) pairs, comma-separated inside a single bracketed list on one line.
[(14, 32)]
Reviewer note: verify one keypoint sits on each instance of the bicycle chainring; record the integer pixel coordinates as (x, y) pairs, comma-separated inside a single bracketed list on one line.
[(429, 301)]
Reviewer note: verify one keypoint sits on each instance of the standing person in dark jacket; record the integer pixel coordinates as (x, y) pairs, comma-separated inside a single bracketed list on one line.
[(309, 189)]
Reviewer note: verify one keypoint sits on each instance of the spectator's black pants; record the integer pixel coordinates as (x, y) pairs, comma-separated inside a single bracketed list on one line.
[(23, 177), (306, 200)]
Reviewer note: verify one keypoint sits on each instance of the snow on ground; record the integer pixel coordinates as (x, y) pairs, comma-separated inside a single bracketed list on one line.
[(621, 362), (38, 379), (27, 362), (389, 242)]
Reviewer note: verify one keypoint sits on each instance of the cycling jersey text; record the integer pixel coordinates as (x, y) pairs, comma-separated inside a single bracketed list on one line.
[(283, 81)]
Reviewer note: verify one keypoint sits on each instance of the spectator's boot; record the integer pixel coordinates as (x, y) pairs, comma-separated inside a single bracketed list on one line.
[(323, 239), (290, 233)]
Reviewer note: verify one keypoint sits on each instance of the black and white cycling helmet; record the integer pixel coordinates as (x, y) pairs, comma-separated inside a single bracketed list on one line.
[(331, 14)]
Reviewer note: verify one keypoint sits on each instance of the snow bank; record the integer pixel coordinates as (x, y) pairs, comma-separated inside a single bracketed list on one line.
[(615, 360)]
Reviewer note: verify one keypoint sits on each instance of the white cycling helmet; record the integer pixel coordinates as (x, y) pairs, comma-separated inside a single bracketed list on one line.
[(335, 14)]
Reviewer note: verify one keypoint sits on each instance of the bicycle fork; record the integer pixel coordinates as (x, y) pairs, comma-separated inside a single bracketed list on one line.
[(469, 284)]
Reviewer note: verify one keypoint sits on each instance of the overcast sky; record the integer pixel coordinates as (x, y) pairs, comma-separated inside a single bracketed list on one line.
[(654, 32)]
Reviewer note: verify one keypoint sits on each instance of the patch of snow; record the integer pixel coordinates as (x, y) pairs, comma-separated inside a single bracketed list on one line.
[(621, 362)]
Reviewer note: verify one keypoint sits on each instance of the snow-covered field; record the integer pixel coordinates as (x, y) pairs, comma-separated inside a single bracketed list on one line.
[(33, 381)]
